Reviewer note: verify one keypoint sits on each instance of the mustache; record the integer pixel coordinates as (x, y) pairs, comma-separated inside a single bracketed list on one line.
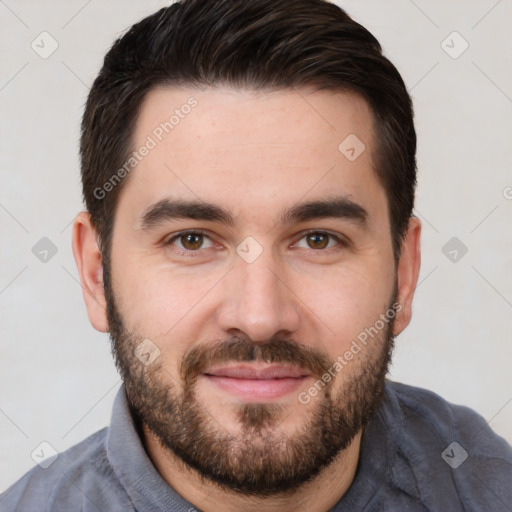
[(277, 350)]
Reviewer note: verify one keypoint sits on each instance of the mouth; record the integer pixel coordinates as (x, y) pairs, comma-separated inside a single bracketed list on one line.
[(257, 382)]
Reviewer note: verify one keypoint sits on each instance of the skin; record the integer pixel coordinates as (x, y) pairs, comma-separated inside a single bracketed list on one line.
[(254, 154)]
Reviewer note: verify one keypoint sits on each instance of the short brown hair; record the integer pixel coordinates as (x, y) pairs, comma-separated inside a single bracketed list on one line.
[(256, 44)]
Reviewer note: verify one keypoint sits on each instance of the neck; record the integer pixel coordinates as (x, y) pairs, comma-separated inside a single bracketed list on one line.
[(318, 495)]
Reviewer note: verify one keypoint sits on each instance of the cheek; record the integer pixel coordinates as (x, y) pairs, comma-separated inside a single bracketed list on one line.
[(346, 301), (161, 302)]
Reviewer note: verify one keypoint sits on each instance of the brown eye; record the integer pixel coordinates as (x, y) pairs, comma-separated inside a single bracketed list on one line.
[(320, 240), (317, 240), (191, 241)]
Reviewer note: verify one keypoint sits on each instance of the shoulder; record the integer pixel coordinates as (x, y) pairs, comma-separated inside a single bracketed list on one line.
[(444, 419), (79, 478), (450, 448)]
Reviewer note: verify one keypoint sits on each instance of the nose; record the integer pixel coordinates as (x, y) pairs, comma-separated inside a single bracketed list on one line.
[(258, 302)]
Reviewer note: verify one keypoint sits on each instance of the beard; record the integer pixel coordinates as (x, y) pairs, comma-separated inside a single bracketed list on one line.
[(260, 459)]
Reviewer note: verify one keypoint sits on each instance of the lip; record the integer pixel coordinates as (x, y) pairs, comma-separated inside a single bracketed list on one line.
[(258, 372), (256, 382)]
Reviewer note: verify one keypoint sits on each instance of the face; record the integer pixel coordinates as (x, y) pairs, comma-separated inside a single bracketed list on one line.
[(252, 288)]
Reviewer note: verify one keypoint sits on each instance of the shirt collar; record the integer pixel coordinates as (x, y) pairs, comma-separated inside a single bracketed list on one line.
[(146, 488)]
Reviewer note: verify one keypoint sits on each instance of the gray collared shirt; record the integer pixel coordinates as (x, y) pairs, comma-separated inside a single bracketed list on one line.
[(419, 453)]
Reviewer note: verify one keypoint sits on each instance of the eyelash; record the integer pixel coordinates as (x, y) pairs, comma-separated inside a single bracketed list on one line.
[(193, 253)]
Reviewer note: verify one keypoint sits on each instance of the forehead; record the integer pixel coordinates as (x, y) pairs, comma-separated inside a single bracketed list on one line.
[(247, 148)]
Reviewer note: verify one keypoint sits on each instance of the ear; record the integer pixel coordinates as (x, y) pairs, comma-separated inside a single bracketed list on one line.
[(88, 260), (407, 274)]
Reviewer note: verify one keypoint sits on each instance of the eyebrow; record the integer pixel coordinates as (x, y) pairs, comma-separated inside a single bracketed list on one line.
[(338, 207)]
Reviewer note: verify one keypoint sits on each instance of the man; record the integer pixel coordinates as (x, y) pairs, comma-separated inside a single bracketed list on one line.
[(249, 172)]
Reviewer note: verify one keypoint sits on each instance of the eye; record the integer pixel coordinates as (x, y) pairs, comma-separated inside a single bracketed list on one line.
[(194, 241), (190, 241), (320, 240)]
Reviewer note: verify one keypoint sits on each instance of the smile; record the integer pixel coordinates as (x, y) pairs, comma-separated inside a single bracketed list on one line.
[(252, 383)]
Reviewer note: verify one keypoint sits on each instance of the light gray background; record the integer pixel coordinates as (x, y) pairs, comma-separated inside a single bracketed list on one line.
[(57, 378)]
